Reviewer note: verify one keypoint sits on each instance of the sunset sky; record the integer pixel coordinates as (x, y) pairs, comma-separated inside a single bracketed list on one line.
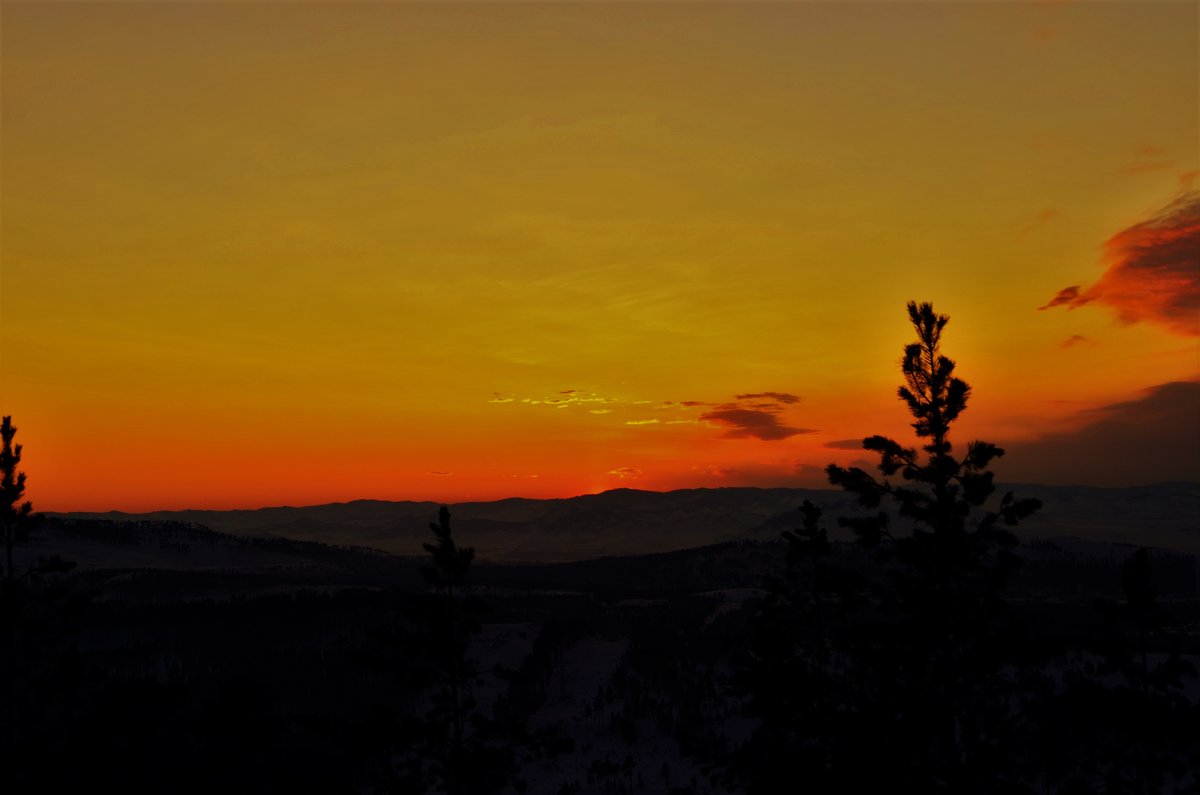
[(271, 253)]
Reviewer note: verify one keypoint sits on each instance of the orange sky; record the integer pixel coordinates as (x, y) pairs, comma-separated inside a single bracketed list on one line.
[(266, 253)]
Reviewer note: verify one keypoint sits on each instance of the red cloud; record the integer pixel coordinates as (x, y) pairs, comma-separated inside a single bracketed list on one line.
[(1153, 271)]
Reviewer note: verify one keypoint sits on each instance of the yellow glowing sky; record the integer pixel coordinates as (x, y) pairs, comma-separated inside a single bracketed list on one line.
[(270, 253)]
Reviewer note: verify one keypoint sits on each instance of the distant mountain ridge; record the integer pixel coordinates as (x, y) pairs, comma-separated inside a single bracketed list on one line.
[(633, 522)]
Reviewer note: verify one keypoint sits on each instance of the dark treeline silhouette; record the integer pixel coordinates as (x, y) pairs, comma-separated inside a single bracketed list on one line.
[(931, 653)]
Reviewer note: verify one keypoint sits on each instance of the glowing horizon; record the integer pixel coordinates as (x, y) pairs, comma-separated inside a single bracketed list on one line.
[(266, 254)]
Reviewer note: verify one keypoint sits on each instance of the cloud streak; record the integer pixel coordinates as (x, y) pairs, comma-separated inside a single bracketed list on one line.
[(751, 415), (779, 397), (844, 444), (1152, 273), (751, 424), (1067, 296)]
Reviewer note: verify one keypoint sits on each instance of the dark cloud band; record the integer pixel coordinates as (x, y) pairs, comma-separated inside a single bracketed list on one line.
[(751, 424)]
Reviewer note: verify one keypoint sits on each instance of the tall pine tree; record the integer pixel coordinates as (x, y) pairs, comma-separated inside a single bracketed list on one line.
[(945, 558), (938, 493)]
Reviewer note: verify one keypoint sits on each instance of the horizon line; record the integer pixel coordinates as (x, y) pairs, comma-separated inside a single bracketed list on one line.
[(1005, 484)]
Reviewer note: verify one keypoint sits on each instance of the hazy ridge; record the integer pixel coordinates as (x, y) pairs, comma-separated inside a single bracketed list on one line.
[(632, 522)]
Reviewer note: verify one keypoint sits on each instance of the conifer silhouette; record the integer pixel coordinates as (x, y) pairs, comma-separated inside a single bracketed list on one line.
[(14, 514), (944, 489), (452, 627), (937, 644), (449, 564), (959, 563)]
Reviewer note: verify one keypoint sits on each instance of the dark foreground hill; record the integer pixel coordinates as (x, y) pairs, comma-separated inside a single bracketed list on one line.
[(179, 657), (163, 561)]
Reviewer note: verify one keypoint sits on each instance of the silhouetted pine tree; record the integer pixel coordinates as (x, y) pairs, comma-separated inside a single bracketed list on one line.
[(936, 647), (943, 489), (38, 620), (470, 757), (14, 514)]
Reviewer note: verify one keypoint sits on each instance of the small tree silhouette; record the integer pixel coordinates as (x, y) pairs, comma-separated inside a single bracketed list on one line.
[(446, 571), (14, 514), (448, 563), (797, 651)]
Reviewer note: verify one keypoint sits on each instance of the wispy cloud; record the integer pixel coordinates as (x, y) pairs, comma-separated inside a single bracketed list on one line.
[(626, 473), (713, 471), (1153, 271), (1146, 166), (751, 415), (1039, 220), (560, 399), (1147, 158), (439, 474), (1068, 296), (779, 397), (844, 444), (1076, 339)]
